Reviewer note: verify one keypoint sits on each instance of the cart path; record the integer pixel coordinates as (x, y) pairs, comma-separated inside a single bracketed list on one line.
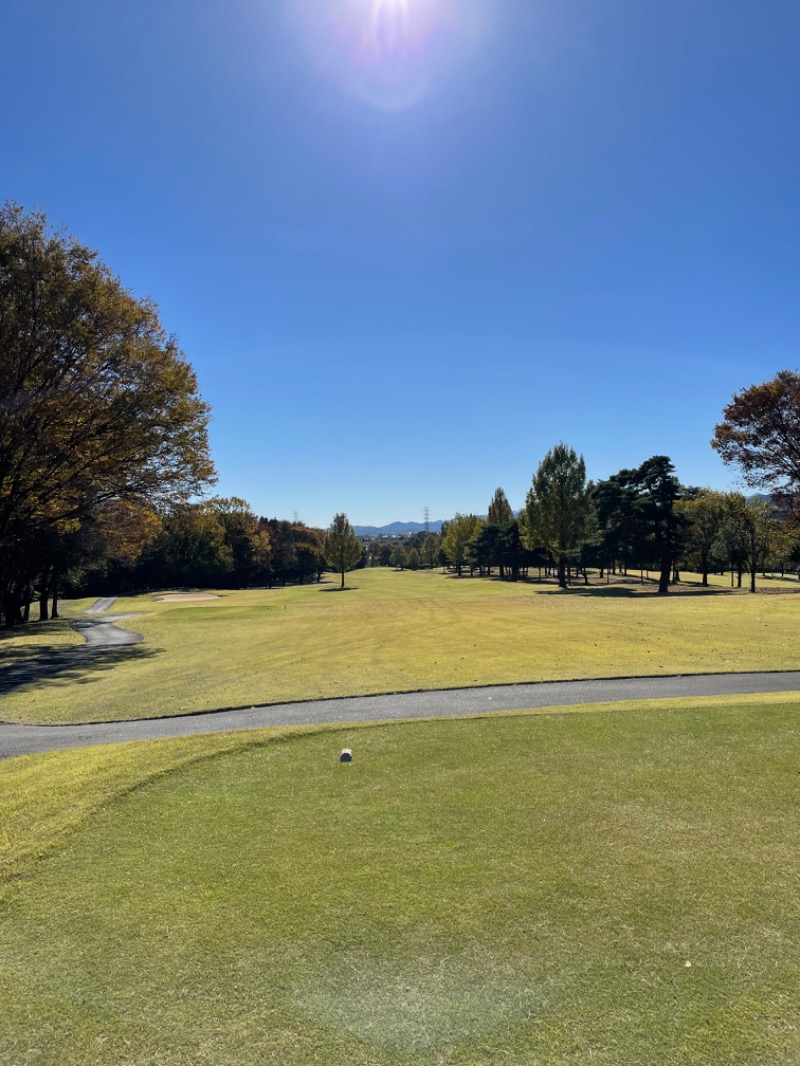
[(31, 739), (105, 603)]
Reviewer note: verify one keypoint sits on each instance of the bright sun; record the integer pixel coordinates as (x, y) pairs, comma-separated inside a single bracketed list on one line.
[(389, 52)]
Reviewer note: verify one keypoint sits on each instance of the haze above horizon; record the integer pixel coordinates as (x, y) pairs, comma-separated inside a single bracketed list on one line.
[(409, 245)]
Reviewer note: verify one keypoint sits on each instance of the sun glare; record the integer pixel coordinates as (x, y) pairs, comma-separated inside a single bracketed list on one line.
[(389, 52)]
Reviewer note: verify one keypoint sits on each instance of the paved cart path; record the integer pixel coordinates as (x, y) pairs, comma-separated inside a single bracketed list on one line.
[(28, 740), (105, 603)]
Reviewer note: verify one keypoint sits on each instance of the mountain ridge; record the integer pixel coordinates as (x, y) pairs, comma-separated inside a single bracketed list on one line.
[(397, 529)]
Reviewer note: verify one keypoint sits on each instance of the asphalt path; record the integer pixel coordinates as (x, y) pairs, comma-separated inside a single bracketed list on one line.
[(105, 603), (30, 740)]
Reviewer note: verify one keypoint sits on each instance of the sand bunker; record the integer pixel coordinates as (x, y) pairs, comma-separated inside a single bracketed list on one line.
[(184, 597)]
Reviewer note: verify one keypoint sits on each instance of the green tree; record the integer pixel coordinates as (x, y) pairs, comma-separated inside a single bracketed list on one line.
[(751, 530), (399, 557), (658, 491), (457, 537), (385, 555), (558, 505), (706, 514), (487, 548), (499, 511), (430, 550), (639, 519), (342, 546), (492, 547)]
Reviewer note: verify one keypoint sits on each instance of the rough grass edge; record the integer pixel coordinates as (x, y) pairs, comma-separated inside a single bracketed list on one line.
[(339, 697)]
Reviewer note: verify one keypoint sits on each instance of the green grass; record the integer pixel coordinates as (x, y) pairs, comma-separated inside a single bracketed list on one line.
[(518, 889), (400, 631), (18, 646)]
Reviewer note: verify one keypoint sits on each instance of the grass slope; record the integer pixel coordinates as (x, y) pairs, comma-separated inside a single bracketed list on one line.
[(395, 631), (613, 887)]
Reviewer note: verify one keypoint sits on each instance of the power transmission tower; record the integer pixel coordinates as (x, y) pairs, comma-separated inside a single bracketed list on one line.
[(427, 516)]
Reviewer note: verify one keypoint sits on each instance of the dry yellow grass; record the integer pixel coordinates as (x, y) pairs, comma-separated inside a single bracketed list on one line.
[(399, 631)]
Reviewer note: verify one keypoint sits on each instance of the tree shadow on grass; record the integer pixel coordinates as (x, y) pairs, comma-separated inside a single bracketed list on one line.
[(618, 592), (347, 588), (67, 666)]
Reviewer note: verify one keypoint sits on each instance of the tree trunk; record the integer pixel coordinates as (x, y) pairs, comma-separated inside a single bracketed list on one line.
[(342, 584), (43, 599), (54, 609), (12, 609), (664, 576), (562, 572)]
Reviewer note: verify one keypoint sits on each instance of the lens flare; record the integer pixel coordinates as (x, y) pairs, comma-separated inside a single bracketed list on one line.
[(390, 53), (394, 72)]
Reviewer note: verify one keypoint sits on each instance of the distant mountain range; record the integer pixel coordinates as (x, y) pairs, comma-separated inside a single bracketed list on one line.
[(405, 529), (396, 529)]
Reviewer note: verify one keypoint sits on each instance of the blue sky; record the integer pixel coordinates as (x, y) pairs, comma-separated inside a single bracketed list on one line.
[(409, 245)]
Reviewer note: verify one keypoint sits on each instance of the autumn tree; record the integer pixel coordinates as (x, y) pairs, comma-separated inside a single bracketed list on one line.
[(309, 551), (190, 550), (760, 432), (97, 402), (342, 546), (246, 540), (296, 551)]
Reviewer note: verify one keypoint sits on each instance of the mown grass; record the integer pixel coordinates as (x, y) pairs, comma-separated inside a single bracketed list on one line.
[(37, 638), (400, 631), (556, 888)]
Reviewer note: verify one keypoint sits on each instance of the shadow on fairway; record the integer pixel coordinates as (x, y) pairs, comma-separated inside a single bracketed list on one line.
[(347, 588), (615, 592), (68, 666)]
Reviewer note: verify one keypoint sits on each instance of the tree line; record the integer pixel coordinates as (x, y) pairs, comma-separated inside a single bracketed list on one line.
[(640, 519), (104, 456), (219, 542)]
